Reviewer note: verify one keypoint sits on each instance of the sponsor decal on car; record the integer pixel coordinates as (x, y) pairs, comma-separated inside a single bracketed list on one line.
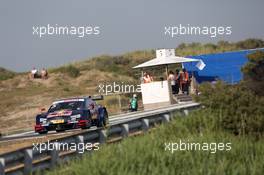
[(60, 113), (57, 121)]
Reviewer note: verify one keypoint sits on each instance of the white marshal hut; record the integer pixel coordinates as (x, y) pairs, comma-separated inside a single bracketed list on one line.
[(157, 94)]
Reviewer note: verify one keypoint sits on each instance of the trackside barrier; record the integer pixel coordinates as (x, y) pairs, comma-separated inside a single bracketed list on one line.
[(28, 160)]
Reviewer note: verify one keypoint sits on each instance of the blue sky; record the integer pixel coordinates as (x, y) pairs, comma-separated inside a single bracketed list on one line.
[(124, 26)]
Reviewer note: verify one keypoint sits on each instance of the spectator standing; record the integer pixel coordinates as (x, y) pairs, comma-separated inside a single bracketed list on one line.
[(171, 78), (133, 104), (44, 73), (177, 81), (147, 78), (185, 81)]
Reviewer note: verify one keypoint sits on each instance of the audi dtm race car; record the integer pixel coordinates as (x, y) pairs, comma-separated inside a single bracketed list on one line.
[(70, 114)]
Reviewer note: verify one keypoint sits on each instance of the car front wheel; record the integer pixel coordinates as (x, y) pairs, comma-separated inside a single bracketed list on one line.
[(43, 132)]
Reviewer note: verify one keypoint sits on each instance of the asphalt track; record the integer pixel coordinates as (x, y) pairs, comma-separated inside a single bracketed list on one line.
[(113, 120)]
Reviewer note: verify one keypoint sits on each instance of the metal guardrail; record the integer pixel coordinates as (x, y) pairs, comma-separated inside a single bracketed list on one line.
[(28, 160)]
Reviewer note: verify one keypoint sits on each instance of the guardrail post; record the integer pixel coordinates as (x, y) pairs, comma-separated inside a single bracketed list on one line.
[(28, 159), (54, 155), (166, 117), (145, 125), (102, 136), (2, 166), (125, 130), (80, 139), (186, 112)]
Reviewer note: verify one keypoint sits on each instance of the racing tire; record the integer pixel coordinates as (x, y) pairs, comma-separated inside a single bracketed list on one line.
[(43, 132), (99, 124), (103, 123), (86, 127), (60, 129), (106, 122)]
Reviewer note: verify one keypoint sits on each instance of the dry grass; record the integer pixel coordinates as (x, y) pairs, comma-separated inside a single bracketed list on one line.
[(8, 146), (22, 98)]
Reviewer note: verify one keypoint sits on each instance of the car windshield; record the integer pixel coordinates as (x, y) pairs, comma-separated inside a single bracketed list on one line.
[(71, 105)]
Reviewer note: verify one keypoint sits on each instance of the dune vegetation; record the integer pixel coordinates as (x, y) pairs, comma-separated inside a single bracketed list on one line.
[(231, 116), (147, 154), (22, 98)]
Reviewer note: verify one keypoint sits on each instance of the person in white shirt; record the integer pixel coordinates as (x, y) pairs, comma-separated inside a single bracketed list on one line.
[(171, 78), (34, 73)]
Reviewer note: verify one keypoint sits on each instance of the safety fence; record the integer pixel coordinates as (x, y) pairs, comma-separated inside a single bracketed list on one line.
[(30, 160)]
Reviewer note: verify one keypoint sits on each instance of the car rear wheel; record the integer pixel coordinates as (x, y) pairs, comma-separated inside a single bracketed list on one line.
[(43, 132), (103, 122)]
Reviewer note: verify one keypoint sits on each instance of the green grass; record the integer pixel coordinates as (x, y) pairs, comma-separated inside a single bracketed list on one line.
[(146, 154), (222, 46), (122, 64), (6, 74), (70, 70)]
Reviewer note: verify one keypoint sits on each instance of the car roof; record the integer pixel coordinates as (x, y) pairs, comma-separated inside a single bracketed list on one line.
[(69, 100)]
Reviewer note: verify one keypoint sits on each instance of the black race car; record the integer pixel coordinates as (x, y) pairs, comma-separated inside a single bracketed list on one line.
[(71, 113)]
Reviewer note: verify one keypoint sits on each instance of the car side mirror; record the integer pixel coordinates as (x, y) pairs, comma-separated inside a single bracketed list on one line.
[(43, 110)]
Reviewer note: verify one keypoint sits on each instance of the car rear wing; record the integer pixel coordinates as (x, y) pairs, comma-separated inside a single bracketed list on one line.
[(97, 97), (94, 97)]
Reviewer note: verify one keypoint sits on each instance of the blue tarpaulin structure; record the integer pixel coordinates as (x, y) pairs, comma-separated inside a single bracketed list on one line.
[(224, 66)]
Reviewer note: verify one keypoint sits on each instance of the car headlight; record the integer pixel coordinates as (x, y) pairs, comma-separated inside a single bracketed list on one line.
[(43, 120), (74, 117)]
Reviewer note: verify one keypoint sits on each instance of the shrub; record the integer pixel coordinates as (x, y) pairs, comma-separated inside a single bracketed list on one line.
[(147, 154), (241, 105), (222, 46), (240, 111), (250, 43), (253, 72), (70, 70), (6, 74)]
